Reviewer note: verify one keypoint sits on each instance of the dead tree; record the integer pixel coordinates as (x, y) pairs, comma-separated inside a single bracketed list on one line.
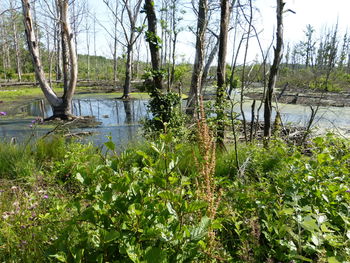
[(114, 10), (196, 81), (131, 34), (274, 70), (212, 54), (61, 106), (5, 44), (14, 19)]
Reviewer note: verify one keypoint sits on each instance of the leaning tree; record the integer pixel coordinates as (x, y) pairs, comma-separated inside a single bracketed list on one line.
[(274, 69), (61, 105)]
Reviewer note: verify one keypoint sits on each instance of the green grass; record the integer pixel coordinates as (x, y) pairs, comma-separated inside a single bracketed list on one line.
[(15, 93)]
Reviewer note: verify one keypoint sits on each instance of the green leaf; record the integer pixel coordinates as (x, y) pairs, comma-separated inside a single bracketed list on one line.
[(132, 253), (302, 258), (287, 211), (216, 224), (195, 206), (168, 195), (171, 209), (325, 229), (155, 148), (60, 256), (111, 235), (135, 209), (309, 224), (332, 260), (78, 255), (99, 258), (110, 145), (200, 231), (107, 196), (155, 255)]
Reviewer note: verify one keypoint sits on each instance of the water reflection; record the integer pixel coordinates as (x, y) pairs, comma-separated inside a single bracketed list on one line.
[(119, 119), (108, 111)]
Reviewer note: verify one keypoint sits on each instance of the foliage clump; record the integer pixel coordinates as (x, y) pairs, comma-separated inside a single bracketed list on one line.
[(164, 108), (160, 202)]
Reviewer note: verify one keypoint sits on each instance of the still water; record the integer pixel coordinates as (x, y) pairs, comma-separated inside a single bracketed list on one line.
[(121, 119)]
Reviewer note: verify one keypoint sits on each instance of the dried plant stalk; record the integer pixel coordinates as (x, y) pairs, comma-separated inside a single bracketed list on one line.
[(206, 187)]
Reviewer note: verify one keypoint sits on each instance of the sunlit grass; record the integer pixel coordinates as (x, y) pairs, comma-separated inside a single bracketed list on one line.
[(12, 93)]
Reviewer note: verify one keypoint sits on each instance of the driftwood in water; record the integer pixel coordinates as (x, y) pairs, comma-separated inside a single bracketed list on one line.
[(78, 134)]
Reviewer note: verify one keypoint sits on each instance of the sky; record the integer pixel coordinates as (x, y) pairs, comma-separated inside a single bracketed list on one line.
[(317, 13)]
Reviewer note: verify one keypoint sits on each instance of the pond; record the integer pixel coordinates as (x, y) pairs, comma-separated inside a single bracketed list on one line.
[(327, 117), (121, 119)]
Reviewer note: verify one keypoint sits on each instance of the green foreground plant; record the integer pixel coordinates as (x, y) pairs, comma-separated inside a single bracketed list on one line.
[(70, 203)]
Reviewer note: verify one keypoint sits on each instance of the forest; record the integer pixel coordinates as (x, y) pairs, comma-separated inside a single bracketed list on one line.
[(172, 131)]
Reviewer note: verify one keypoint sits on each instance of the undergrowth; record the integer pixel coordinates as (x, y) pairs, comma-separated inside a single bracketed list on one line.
[(171, 201)]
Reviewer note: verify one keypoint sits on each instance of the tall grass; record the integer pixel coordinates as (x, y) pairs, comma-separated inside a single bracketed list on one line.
[(16, 162)]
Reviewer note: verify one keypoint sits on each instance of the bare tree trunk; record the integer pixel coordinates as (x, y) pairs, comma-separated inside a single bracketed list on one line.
[(130, 38), (210, 60), (221, 72), (162, 51), (175, 32), (196, 81), (137, 60), (35, 25), (115, 62), (172, 74), (61, 106), (3, 43), (34, 50), (68, 94), (114, 10), (59, 70), (15, 41), (18, 52), (274, 70), (75, 26), (169, 62), (243, 78), (115, 45), (48, 49), (65, 56), (95, 51), (5, 33), (128, 69), (87, 28)]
